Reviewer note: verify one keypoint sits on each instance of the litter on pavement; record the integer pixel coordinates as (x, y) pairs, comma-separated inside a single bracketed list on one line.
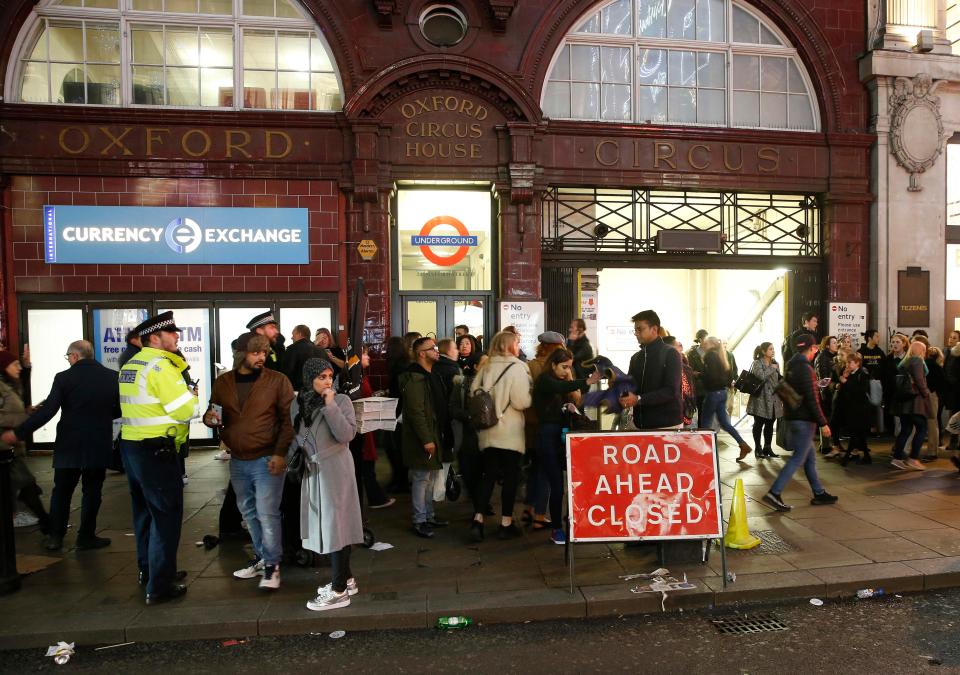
[(381, 546), (660, 572), (232, 643), (337, 634), (61, 652), (816, 602)]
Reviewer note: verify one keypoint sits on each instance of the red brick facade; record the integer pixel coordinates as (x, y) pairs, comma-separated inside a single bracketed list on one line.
[(345, 165)]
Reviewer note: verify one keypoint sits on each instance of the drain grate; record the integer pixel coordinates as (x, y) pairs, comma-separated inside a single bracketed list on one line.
[(771, 543), (748, 623)]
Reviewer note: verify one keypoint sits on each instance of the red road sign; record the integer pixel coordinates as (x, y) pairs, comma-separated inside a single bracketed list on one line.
[(643, 485)]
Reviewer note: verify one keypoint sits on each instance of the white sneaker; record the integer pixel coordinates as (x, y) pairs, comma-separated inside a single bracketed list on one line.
[(352, 588), (915, 465), (899, 464), (186, 479), (835, 452), (251, 571), (271, 577), (328, 600), (223, 456), (24, 519)]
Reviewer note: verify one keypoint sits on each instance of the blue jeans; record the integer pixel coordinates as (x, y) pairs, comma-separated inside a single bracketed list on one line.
[(156, 491), (715, 403), (907, 424), (258, 499), (421, 494), (800, 440), (551, 457)]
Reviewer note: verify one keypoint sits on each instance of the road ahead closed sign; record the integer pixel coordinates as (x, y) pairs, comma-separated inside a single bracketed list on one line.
[(643, 485)]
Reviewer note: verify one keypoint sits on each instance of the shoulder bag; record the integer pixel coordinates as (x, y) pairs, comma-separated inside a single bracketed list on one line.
[(748, 383)]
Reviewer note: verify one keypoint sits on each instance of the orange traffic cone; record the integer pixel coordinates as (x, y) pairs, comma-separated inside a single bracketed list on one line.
[(738, 534)]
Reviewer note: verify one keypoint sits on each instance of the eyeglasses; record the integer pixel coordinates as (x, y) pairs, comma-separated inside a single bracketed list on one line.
[(434, 348), (66, 356)]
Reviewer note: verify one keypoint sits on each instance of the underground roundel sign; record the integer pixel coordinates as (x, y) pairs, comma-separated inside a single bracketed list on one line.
[(428, 242)]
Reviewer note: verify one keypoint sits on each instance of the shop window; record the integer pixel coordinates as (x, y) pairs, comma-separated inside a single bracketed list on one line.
[(173, 61), (311, 317), (444, 240), (231, 324), (623, 63)]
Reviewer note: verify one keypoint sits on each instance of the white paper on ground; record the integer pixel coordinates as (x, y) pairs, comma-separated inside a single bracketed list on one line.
[(381, 546)]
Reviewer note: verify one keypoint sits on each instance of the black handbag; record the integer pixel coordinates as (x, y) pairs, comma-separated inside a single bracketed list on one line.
[(296, 463), (453, 487), (748, 383)]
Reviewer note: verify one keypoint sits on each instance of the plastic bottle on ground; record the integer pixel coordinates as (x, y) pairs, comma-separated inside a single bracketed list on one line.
[(453, 622)]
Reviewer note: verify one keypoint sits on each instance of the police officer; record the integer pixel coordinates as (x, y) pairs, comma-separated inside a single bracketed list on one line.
[(157, 407), (266, 325)]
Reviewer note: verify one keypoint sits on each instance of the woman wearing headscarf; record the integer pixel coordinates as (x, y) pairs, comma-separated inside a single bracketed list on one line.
[(330, 520)]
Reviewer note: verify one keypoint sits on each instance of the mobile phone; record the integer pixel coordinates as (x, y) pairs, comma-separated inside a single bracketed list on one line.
[(218, 412)]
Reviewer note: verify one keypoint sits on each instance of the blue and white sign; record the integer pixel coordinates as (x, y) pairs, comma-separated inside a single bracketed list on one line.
[(175, 235)]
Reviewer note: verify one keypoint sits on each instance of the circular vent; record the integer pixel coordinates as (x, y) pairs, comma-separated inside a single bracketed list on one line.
[(443, 25)]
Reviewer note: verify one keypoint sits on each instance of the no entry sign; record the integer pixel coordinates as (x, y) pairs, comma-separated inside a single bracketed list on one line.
[(643, 485)]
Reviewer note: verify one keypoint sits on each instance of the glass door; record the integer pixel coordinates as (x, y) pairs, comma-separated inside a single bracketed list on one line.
[(437, 316)]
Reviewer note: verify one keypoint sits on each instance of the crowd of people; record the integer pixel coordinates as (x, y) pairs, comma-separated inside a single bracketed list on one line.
[(299, 469)]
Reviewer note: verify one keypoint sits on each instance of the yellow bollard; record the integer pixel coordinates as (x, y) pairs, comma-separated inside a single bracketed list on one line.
[(738, 534)]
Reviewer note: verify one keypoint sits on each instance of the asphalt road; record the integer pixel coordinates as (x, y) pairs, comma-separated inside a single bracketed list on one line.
[(912, 634)]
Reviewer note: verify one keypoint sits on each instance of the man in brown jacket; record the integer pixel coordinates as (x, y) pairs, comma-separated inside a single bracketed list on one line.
[(254, 420)]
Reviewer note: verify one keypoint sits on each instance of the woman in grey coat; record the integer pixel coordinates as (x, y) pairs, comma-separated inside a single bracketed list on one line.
[(330, 519), (765, 406)]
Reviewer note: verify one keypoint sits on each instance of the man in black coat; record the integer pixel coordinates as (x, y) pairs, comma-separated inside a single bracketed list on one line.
[(657, 370), (88, 395), (297, 354)]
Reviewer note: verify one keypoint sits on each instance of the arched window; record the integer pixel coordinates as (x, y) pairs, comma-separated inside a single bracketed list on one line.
[(694, 62), (228, 54)]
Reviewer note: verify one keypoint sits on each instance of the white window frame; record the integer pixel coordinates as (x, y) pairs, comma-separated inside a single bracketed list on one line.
[(127, 17), (727, 47)]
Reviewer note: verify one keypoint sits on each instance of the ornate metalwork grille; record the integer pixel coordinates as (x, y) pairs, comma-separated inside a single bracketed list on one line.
[(618, 221)]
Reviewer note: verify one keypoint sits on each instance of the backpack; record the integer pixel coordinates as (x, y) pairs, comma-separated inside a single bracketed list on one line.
[(791, 398), (481, 408)]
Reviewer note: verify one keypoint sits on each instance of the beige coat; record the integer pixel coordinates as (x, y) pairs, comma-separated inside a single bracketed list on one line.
[(512, 395)]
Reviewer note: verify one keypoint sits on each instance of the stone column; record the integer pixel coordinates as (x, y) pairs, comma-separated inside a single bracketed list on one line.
[(910, 183)]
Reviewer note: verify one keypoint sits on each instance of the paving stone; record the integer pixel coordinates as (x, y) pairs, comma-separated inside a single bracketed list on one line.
[(769, 586), (525, 605), (185, 619), (43, 628), (889, 549), (948, 517), (841, 526), (892, 577), (617, 599), (943, 540), (822, 553), (367, 611), (938, 572), (896, 520), (916, 502)]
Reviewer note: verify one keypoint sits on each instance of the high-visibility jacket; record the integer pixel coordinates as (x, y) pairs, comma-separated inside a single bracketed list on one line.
[(154, 399)]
